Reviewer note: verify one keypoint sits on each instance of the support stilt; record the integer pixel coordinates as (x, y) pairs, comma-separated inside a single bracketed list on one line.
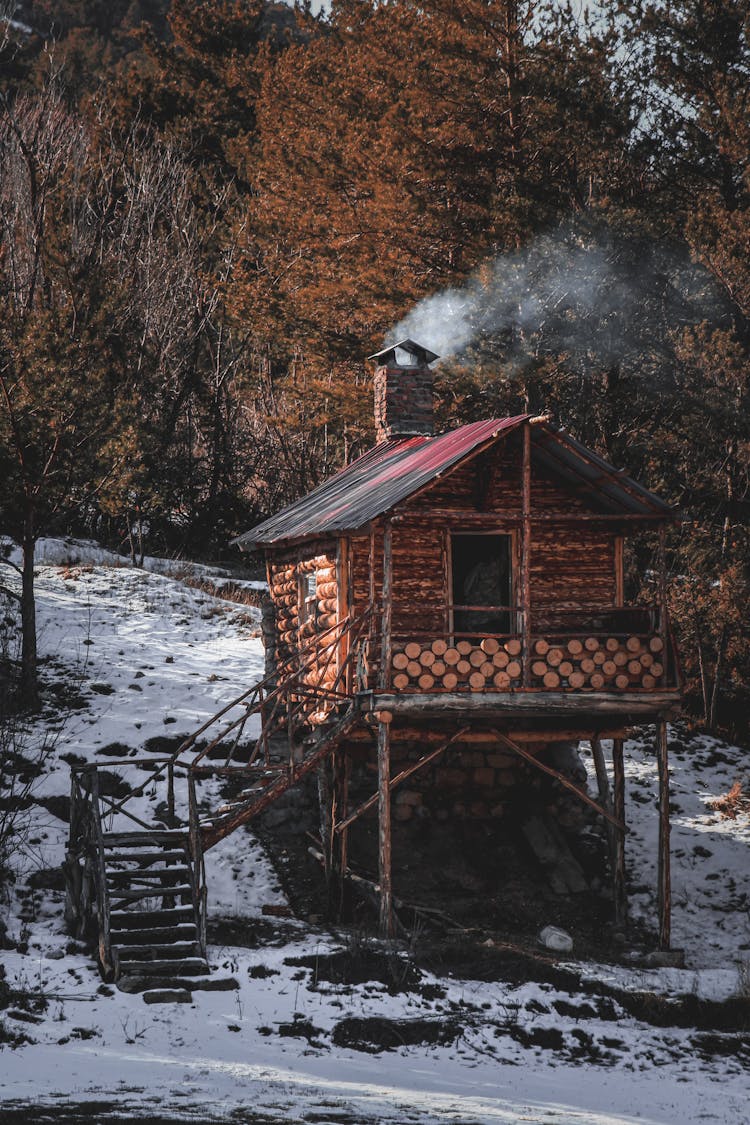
[(618, 865), (340, 844), (384, 745), (384, 830), (665, 890)]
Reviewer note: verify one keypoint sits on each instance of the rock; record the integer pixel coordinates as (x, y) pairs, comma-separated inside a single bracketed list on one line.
[(59, 806), (168, 996), (47, 879), (133, 984), (55, 954), (556, 939)]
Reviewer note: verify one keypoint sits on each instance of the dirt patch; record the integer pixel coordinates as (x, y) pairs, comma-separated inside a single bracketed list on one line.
[(380, 1034), (362, 966)]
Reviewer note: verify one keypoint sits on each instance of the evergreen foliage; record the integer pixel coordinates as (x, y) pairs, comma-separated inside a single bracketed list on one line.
[(211, 211)]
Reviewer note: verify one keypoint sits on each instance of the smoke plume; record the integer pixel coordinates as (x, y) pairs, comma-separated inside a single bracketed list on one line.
[(596, 298)]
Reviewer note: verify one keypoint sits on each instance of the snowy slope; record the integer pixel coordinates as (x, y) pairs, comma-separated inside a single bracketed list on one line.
[(152, 658)]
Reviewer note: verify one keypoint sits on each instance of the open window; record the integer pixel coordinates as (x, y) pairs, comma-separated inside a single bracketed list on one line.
[(482, 583)]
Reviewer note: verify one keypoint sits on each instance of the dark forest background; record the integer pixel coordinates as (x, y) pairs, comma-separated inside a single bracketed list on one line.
[(212, 210)]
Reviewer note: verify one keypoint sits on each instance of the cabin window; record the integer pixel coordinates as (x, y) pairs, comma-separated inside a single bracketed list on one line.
[(482, 583), (308, 596)]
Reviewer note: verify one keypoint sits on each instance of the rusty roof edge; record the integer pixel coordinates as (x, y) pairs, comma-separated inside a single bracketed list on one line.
[(504, 426), (619, 477)]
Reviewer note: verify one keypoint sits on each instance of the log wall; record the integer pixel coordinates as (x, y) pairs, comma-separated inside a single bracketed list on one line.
[(285, 580), (571, 564)]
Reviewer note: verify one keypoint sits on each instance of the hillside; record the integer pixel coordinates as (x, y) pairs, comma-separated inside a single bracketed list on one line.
[(329, 1025)]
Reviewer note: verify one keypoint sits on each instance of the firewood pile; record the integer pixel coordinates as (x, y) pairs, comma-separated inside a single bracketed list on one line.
[(578, 664), (598, 663), (492, 665)]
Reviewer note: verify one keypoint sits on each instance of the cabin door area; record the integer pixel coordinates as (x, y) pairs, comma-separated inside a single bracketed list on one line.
[(481, 581)]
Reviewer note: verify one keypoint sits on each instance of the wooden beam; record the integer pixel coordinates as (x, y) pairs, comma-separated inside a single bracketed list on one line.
[(558, 776), (424, 761), (513, 515), (384, 679), (588, 706), (525, 585), (427, 735), (662, 598), (602, 782), (664, 880), (619, 572), (618, 873), (384, 831), (384, 746)]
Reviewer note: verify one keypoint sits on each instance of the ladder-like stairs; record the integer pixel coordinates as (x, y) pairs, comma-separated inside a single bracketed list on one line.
[(154, 925), (145, 890)]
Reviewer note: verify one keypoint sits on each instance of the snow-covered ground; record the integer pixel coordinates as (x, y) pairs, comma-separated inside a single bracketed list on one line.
[(154, 657)]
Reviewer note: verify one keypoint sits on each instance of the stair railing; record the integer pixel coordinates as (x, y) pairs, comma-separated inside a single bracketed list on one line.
[(286, 701), (198, 864), (109, 967)]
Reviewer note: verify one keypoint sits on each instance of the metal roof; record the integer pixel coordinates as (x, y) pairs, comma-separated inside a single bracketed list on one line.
[(394, 470)]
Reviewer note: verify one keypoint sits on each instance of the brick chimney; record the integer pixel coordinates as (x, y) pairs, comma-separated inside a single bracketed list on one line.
[(403, 391)]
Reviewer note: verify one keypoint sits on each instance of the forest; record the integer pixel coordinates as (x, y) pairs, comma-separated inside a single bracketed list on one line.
[(212, 210)]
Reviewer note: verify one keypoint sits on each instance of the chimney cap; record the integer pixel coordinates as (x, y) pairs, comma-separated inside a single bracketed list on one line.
[(420, 354)]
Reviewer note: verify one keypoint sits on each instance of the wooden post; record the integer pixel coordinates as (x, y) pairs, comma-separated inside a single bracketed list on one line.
[(665, 889), (384, 830), (619, 571), (384, 746), (387, 616), (327, 812), (524, 584), (605, 798), (618, 873), (342, 767), (372, 608), (662, 599)]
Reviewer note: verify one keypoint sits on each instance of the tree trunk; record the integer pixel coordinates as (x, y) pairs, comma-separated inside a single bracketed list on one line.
[(29, 683)]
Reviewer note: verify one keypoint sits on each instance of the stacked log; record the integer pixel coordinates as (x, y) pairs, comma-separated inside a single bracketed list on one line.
[(597, 663), (285, 596), (493, 665)]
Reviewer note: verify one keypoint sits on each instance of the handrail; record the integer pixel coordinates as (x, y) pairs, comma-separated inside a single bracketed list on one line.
[(105, 945)]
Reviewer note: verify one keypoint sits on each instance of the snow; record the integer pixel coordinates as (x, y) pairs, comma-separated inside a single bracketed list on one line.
[(153, 657)]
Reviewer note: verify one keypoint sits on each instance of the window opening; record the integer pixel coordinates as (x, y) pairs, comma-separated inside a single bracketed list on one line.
[(308, 596), (482, 586)]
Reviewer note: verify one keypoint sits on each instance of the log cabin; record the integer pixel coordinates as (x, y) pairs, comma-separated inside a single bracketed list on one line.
[(447, 611), (466, 589)]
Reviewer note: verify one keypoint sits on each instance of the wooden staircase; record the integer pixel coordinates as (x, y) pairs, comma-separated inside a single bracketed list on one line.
[(154, 917), (140, 888)]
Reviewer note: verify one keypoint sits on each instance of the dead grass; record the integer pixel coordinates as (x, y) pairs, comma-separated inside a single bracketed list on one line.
[(733, 803)]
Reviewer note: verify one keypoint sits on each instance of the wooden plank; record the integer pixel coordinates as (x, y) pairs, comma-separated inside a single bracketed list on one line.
[(664, 880), (619, 571), (618, 873), (525, 589), (551, 704), (558, 776), (384, 831), (426, 760)]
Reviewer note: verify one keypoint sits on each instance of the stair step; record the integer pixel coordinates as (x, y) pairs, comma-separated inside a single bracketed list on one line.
[(145, 857), (156, 935), (160, 876), (143, 839), (150, 892), (177, 950), (186, 967), (144, 919)]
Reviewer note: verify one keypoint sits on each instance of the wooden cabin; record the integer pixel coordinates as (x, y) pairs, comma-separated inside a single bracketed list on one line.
[(466, 589)]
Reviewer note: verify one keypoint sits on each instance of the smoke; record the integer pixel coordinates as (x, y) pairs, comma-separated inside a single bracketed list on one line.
[(596, 298)]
